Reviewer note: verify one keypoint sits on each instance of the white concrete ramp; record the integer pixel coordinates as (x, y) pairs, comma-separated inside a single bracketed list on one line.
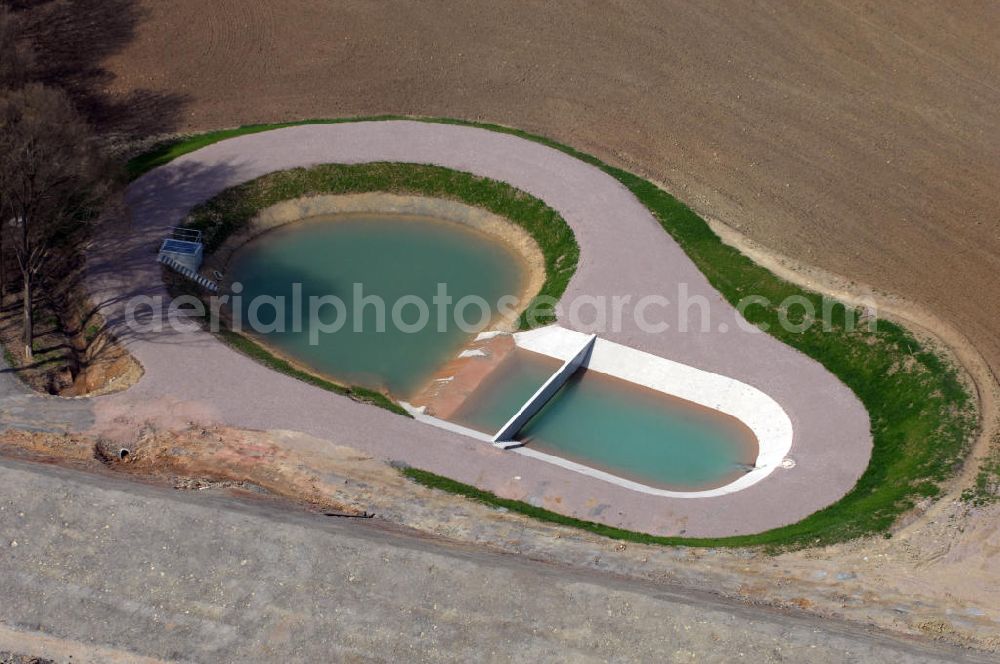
[(505, 436)]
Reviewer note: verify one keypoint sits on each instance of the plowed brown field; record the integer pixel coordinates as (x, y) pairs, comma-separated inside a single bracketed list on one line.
[(859, 137)]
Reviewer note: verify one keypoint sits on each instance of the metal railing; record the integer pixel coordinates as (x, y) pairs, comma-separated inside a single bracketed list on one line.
[(185, 234), (188, 273)]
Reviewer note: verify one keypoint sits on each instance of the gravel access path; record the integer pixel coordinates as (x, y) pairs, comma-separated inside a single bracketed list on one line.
[(624, 251)]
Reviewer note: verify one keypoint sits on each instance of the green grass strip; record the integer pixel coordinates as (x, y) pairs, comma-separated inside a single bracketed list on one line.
[(922, 417), (434, 481)]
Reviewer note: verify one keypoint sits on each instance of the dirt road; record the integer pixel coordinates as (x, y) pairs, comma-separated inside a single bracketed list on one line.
[(232, 581), (855, 136)]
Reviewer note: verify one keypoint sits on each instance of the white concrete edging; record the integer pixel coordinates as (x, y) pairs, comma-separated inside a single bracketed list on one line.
[(761, 413), (505, 436)]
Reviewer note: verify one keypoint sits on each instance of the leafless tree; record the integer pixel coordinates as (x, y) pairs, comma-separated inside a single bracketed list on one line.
[(16, 60), (52, 178)]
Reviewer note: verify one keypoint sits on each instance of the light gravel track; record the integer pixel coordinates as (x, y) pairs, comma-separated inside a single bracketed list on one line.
[(624, 251), (212, 579)]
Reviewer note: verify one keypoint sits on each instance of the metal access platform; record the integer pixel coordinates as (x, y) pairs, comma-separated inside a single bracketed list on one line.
[(183, 251), (184, 247)]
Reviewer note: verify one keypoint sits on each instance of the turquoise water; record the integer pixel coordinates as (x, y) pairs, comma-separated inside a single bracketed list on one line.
[(390, 257), (515, 379), (641, 434), (616, 426), (595, 419)]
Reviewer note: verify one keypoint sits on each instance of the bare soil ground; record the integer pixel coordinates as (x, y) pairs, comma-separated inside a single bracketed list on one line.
[(69, 363), (73, 354), (938, 579), (859, 137), (452, 384)]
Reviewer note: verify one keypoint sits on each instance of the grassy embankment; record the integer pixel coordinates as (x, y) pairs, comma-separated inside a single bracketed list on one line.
[(922, 417)]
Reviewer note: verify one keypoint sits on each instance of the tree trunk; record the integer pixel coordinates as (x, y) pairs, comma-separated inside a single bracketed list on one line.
[(29, 319)]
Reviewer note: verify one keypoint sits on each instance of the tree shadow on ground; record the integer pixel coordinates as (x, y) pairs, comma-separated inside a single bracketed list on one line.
[(69, 43), (72, 40), (122, 262)]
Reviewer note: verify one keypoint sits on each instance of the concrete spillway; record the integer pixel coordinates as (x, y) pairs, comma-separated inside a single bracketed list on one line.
[(505, 436)]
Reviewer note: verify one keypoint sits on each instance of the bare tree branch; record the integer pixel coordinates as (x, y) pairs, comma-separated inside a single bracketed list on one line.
[(51, 178)]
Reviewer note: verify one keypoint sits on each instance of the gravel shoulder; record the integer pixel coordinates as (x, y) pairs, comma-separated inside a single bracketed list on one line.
[(916, 583), (237, 581)]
